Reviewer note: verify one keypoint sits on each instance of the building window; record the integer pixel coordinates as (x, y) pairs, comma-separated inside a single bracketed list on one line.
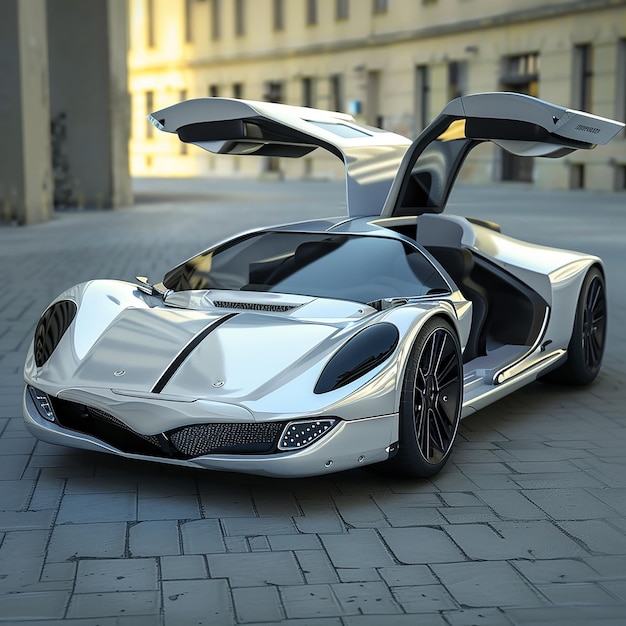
[(336, 92), (237, 90), (182, 146), (279, 14), (240, 23), (582, 76), (422, 97), (150, 27), (379, 6), (457, 79), (311, 12), (308, 91), (214, 91), (215, 19), (342, 9), (273, 91), (188, 21), (149, 109), (576, 176)]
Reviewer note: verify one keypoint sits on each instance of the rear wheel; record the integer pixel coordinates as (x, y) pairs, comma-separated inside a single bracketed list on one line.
[(586, 346), (430, 404)]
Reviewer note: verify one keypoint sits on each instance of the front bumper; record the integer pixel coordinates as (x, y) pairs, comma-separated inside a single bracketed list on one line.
[(350, 444)]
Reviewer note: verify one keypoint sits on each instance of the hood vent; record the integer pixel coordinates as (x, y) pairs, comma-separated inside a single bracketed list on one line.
[(254, 306)]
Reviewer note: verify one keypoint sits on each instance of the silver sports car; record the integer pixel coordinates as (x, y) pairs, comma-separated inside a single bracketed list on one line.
[(325, 345)]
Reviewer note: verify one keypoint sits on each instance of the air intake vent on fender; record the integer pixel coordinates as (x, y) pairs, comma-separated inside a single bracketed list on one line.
[(51, 327)]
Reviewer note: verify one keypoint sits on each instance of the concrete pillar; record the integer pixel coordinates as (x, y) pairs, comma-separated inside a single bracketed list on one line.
[(89, 102), (25, 183)]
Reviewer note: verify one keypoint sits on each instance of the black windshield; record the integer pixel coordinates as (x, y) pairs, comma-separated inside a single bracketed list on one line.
[(348, 267)]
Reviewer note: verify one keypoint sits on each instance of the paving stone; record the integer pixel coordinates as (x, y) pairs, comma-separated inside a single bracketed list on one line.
[(393, 620), (421, 545), (154, 538), (258, 543), (182, 506), (577, 593), (476, 584), (406, 575), (360, 512), (476, 617), (256, 569), (202, 537), (237, 504), (555, 571), (509, 504), (106, 575), (69, 541), (597, 536), (569, 504), (319, 518), (113, 604), (468, 514), (356, 549), (365, 598), (583, 615), (25, 520), (273, 503), (358, 575), (110, 507), (302, 602), (294, 542), (33, 605), (407, 508), (183, 567), (424, 598), (615, 498), (514, 540), (47, 494), (258, 526), (257, 604), (316, 567)]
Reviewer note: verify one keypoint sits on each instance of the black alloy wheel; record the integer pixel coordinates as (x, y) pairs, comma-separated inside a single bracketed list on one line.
[(431, 400), (586, 346)]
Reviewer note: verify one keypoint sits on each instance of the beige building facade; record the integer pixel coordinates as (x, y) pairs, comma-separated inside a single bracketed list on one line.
[(390, 63)]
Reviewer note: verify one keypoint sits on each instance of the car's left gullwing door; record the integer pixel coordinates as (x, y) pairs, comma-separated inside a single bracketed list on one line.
[(520, 124), (244, 127)]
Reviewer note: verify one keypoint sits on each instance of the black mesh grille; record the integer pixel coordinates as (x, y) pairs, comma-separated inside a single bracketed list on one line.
[(226, 438)]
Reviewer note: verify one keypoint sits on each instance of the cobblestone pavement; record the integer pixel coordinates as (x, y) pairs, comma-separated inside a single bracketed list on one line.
[(526, 524)]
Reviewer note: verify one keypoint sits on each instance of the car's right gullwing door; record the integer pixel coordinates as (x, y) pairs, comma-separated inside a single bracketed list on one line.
[(520, 124)]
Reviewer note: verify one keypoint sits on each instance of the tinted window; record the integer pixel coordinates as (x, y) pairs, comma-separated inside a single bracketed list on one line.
[(346, 267)]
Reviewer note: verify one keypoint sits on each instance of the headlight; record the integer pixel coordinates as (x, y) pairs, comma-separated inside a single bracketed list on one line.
[(367, 349), (51, 327)]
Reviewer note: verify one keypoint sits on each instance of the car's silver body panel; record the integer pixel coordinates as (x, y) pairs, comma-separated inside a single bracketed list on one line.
[(155, 362)]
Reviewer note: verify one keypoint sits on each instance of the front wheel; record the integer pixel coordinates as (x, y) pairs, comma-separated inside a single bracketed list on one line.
[(430, 403), (586, 346)]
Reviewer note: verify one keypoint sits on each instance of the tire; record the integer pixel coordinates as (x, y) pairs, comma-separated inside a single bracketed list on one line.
[(586, 345), (430, 402)]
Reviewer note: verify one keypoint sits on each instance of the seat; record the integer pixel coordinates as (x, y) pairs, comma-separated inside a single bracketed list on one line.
[(459, 263)]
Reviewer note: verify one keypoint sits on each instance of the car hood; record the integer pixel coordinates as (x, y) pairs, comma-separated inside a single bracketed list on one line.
[(226, 356)]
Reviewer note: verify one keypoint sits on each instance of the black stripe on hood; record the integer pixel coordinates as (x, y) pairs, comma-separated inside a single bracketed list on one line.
[(186, 351)]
